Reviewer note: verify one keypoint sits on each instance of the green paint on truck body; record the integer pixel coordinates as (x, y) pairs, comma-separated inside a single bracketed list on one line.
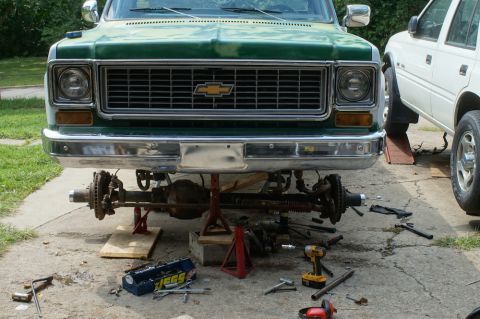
[(215, 39)]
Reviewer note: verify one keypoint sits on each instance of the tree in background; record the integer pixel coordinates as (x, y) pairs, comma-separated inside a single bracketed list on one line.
[(388, 18), (29, 27)]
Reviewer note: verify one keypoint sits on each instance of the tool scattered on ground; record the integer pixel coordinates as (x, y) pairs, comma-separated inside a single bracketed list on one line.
[(317, 220), (283, 282), (326, 311), (27, 296), (333, 284), (188, 290), (185, 296), (331, 242), (359, 213), (44, 283), (116, 291), (184, 289), (314, 227), (167, 290), (315, 279), (361, 302), (327, 271), (145, 265), (410, 227), (390, 211), (22, 297)]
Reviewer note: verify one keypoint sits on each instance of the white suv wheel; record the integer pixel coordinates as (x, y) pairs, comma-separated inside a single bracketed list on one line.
[(466, 163), (465, 158)]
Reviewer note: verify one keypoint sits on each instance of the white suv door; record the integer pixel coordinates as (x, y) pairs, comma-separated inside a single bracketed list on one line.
[(415, 60), (455, 60)]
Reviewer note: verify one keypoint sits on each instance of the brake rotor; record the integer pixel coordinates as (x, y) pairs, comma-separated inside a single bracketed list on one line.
[(338, 195), (98, 189)]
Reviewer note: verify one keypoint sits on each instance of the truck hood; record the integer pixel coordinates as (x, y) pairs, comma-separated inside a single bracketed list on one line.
[(215, 39)]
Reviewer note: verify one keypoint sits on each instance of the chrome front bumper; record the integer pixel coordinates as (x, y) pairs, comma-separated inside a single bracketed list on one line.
[(215, 154)]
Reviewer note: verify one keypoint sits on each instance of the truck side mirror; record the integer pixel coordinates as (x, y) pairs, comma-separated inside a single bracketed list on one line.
[(90, 11), (412, 25), (358, 15)]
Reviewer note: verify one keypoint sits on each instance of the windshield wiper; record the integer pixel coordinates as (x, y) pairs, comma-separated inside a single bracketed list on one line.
[(250, 10), (163, 9)]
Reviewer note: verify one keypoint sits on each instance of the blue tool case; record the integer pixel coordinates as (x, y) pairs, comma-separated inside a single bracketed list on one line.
[(150, 278)]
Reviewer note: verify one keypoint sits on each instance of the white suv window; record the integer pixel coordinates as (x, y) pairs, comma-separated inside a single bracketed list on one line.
[(464, 29), (431, 22)]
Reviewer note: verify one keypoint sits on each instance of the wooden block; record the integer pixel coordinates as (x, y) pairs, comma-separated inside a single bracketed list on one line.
[(123, 244), (244, 182), (440, 169), (398, 151), (216, 240)]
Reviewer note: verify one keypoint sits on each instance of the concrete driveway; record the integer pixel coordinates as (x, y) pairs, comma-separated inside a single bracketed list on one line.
[(402, 275), (22, 92)]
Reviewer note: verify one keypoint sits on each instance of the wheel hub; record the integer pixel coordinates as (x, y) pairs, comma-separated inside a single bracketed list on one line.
[(386, 108), (466, 161)]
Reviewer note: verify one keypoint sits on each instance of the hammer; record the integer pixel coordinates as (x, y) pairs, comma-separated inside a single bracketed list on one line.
[(283, 282)]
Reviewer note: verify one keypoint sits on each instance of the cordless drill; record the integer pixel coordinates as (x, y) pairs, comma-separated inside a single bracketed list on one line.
[(314, 279)]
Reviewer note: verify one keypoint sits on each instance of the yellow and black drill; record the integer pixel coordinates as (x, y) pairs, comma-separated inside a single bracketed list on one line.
[(314, 279)]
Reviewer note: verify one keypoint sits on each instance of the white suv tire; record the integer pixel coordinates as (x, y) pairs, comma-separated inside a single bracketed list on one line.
[(392, 100), (465, 163)]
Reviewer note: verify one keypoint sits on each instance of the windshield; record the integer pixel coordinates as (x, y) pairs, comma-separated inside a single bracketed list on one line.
[(312, 10)]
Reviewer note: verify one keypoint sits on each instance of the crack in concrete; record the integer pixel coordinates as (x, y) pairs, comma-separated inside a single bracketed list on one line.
[(421, 284), (418, 197), (408, 181)]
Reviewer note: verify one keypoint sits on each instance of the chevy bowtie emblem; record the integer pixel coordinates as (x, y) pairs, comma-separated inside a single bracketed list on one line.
[(214, 89)]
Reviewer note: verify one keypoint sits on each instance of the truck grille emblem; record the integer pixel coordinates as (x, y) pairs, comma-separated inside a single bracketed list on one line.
[(213, 89)]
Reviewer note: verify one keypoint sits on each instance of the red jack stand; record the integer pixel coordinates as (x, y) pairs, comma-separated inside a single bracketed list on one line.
[(215, 212), (140, 221), (243, 262)]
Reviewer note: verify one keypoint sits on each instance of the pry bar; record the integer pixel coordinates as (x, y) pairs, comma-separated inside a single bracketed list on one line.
[(410, 228)]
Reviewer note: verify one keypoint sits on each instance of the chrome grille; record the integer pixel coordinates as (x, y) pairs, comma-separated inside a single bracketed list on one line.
[(256, 90)]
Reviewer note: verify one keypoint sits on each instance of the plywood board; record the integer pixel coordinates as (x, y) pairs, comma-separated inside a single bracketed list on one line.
[(440, 169), (123, 244)]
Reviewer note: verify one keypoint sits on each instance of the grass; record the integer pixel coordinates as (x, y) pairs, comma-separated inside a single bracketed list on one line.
[(430, 129), (22, 71), (22, 118), (23, 170), (10, 235), (464, 242)]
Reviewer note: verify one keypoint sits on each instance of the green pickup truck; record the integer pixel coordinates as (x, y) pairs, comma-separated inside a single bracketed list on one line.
[(215, 87)]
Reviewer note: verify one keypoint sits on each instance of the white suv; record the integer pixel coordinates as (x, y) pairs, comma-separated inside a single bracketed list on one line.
[(433, 70)]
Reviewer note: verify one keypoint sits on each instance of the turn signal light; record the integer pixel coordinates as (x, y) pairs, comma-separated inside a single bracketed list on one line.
[(353, 119), (74, 118)]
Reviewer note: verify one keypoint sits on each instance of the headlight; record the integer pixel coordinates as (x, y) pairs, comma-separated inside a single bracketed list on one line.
[(72, 84), (354, 85)]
